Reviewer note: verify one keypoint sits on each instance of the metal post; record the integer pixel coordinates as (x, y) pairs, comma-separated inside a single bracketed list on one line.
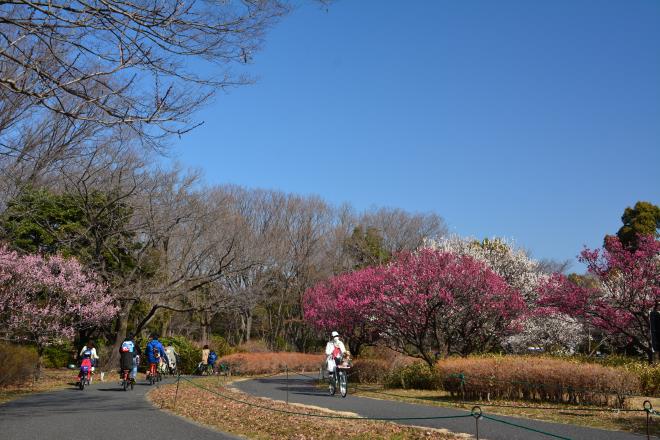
[(176, 393), (476, 413), (648, 407), (287, 383)]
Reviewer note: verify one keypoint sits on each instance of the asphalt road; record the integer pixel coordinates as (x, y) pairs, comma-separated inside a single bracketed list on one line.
[(302, 390), (103, 411)]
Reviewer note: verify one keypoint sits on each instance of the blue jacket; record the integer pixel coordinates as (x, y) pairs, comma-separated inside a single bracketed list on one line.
[(152, 346)]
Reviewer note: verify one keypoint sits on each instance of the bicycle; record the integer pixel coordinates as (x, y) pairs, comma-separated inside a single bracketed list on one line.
[(154, 375), (339, 380), (85, 373), (126, 380)]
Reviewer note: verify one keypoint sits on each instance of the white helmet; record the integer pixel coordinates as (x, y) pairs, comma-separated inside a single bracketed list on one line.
[(334, 334)]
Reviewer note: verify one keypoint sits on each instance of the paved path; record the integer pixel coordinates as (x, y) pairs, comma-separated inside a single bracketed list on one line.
[(302, 390), (102, 411)]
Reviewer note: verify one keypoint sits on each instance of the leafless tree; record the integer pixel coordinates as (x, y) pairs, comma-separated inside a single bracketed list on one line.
[(143, 64), (402, 230)]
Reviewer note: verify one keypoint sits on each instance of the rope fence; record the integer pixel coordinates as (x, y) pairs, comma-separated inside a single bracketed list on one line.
[(476, 411)]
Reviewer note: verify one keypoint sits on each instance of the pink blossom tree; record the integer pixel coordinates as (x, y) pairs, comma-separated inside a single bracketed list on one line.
[(628, 288), (444, 303), (346, 303), (44, 300), (422, 303)]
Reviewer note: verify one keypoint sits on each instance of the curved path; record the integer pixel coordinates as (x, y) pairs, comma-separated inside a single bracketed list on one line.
[(302, 390), (101, 411)]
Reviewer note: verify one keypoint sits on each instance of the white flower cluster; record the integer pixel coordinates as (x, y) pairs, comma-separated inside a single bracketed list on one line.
[(548, 332)]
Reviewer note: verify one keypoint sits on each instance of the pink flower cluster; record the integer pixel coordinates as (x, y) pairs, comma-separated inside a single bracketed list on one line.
[(625, 288), (430, 300), (46, 299)]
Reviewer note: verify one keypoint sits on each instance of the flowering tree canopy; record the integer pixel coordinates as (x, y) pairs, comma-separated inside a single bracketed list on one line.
[(347, 303), (43, 299), (545, 328), (422, 302), (628, 289)]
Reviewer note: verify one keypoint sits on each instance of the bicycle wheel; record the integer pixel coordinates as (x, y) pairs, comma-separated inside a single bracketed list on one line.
[(124, 384), (343, 383), (132, 384), (81, 384), (332, 386)]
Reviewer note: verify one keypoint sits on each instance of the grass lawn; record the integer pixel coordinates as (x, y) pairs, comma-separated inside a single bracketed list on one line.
[(259, 423), (605, 418)]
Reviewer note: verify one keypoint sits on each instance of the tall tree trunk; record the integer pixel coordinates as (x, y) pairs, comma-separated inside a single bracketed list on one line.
[(205, 324), (113, 357), (248, 326)]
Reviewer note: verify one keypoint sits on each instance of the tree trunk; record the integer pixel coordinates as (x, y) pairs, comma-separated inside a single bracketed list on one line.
[(113, 357), (248, 326)]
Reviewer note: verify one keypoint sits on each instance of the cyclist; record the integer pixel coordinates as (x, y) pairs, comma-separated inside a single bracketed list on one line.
[(335, 350), (85, 366), (89, 351), (155, 352), (129, 355)]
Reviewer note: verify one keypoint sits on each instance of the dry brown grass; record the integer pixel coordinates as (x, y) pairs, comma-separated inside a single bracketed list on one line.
[(50, 379), (560, 413), (537, 378), (272, 362), (258, 423)]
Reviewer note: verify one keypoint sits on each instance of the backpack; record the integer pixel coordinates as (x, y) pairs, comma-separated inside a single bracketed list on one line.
[(127, 346), (212, 357)]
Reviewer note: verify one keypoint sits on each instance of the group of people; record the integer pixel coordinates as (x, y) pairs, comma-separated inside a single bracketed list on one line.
[(129, 356), (155, 353)]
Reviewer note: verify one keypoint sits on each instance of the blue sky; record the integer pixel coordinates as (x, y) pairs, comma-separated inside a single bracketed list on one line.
[(536, 121)]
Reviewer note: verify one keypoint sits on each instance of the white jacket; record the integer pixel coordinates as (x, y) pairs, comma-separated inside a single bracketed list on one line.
[(329, 348)]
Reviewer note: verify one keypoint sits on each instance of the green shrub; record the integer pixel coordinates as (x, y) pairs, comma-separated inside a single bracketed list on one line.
[(417, 376), (19, 364), (57, 356), (220, 346), (189, 354)]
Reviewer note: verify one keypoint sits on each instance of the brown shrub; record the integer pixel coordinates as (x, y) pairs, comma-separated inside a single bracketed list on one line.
[(19, 364), (536, 378), (370, 370), (253, 346), (272, 362)]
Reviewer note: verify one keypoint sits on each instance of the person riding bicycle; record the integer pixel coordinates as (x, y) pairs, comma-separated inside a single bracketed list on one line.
[(128, 352), (155, 352), (335, 351), (85, 366), (93, 356)]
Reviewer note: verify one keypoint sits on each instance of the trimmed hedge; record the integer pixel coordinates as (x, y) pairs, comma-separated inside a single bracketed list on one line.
[(273, 362), (536, 378)]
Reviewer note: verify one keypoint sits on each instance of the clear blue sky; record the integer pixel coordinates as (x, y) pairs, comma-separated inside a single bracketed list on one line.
[(536, 121)]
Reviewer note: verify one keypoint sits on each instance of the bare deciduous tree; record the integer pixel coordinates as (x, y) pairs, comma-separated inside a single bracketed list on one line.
[(143, 64)]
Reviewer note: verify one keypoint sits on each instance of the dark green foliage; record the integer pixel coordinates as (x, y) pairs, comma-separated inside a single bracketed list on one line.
[(643, 219), (189, 354), (93, 228), (366, 248), (57, 356)]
